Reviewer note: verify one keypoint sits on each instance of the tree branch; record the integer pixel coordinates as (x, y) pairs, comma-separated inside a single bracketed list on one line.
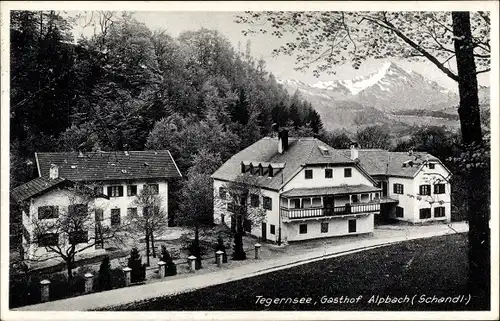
[(482, 71)]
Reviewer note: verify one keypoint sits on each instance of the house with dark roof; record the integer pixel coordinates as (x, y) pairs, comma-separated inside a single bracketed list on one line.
[(112, 179), (415, 185), (306, 188)]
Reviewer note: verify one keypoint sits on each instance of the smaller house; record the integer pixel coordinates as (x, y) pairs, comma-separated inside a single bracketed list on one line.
[(46, 203), (104, 184), (415, 185)]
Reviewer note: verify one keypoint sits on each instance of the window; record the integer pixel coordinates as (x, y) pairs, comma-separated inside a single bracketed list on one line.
[(47, 212), (352, 226), (432, 166), (49, 239), (439, 189), (152, 188), (272, 229), (254, 200), (247, 225), (400, 211), (77, 237), (267, 203), (115, 191), (303, 228), (222, 193), (439, 211), (115, 217), (316, 202), (347, 172), (308, 173), (132, 212), (328, 173), (78, 210), (306, 203), (398, 188), (131, 190), (425, 190), (295, 202), (99, 215), (324, 227), (148, 211), (425, 213)]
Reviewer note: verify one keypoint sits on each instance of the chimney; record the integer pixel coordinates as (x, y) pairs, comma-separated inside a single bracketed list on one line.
[(54, 171), (354, 151), (282, 141)]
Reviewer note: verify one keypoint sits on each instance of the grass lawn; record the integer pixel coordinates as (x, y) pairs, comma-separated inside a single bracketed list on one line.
[(435, 266)]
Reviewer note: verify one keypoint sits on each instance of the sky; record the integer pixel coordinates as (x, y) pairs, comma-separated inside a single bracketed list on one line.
[(175, 22)]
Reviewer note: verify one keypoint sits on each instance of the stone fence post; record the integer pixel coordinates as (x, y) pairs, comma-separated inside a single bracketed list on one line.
[(192, 263), (45, 293), (161, 269), (89, 282), (218, 255), (257, 251), (127, 270)]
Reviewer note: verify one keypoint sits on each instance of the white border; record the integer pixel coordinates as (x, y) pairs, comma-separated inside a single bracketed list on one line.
[(492, 6)]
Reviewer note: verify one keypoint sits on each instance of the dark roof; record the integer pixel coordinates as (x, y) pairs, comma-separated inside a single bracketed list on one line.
[(346, 189), (43, 184), (382, 162), (35, 187), (301, 151), (96, 166)]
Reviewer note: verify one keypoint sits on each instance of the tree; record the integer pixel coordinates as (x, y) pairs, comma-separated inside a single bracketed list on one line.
[(71, 230), (374, 137), (196, 210), (153, 219), (138, 272), (239, 192), (104, 276), (328, 39), (336, 139)]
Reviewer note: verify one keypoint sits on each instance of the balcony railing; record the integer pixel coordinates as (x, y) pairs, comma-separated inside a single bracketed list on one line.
[(298, 213)]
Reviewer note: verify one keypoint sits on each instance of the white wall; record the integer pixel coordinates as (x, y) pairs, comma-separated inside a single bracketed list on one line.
[(125, 201), (408, 203), (60, 198), (271, 217), (430, 176), (337, 226), (319, 179)]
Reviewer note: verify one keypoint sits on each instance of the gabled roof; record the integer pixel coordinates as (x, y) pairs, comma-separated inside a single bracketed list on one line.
[(382, 162), (35, 187), (43, 184), (100, 166), (301, 151)]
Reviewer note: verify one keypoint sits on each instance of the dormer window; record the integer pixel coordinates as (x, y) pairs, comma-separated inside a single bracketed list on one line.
[(270, 170), (324, 151)]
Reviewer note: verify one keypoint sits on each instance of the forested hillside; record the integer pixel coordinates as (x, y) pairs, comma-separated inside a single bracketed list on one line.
[(131, 88)]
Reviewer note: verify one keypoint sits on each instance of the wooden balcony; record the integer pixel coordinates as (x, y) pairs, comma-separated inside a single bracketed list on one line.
[(348, 209)]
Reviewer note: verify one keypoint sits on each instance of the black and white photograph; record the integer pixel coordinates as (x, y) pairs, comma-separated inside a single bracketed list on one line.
[(249, 160)]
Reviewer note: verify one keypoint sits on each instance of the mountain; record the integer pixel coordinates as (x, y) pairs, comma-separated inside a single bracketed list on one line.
[(391, 95)]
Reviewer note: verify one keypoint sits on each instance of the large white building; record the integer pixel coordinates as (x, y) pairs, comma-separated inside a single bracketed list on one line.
[(113, 178), (311, 190)]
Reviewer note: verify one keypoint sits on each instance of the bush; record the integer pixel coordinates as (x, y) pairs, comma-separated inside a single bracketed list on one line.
[(221, 247), (59, 287), (104, 276), (170, 267), (23, 290), (117, 277), (138, 273)]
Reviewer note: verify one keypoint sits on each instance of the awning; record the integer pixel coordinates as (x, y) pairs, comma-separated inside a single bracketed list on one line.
[(333, 190)]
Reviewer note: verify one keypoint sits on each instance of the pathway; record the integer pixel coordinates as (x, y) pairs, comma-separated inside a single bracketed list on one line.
[(294, 255)]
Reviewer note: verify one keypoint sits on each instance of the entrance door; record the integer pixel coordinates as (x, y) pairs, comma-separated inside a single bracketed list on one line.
[(264, 231)]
